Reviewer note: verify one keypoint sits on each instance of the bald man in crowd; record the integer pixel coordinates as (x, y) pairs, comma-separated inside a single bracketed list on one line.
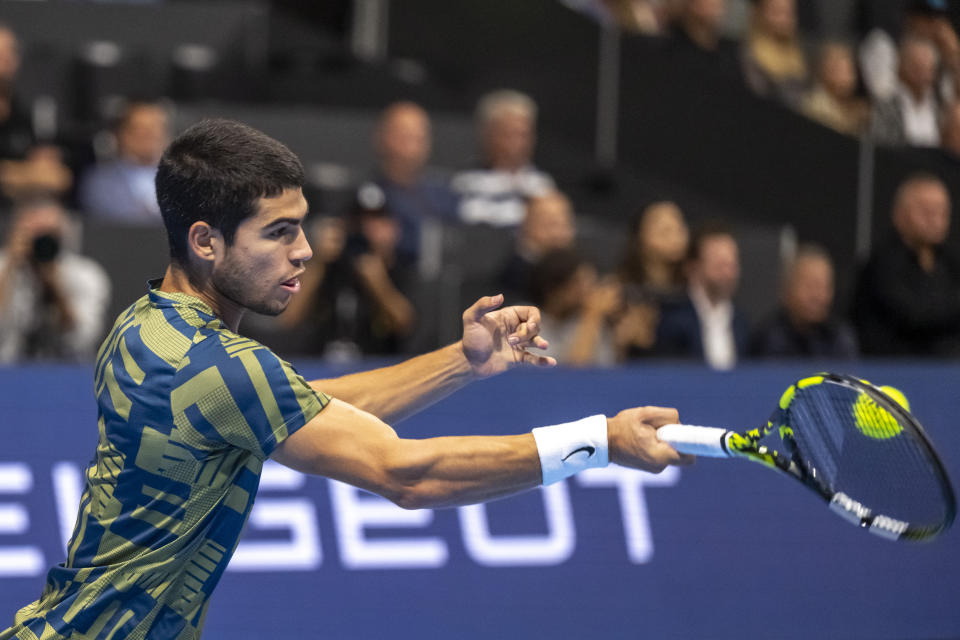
[(804, 326), (908, 296), (403, 143)]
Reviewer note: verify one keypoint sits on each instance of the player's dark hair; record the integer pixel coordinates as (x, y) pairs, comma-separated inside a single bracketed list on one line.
[(215, 172)]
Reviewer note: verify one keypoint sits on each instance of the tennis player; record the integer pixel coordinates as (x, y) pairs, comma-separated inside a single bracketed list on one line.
[(189, 409)]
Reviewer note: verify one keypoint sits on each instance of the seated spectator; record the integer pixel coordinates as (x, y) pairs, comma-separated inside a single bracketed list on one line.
[(577, 310), (549, 224), (911, 115), (52, 300), (908, 297), (122, 189), (496, 193), (403, 143), (833, 101), (28, 168), (803, 327), (706, 324), (651, 274), (879, 58), (696, 35), (774, 62), (352, 296)]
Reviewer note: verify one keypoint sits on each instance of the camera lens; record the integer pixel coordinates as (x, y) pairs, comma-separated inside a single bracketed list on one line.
[(45, 248)]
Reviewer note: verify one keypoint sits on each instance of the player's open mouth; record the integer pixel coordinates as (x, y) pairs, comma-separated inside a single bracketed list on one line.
[(292, 285)]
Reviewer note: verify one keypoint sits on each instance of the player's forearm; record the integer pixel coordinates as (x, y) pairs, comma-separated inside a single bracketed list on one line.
[(395, 392), (453, 471)]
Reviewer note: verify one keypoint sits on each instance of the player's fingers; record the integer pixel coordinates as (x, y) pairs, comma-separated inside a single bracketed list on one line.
[(526, 332), (484, 305), (659, 416), (540, 343), (538, 361), (671, 456)]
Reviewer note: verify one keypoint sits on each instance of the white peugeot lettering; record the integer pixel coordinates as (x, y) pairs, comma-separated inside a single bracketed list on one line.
[(555, 547), (297, 516), (630, 483), (22, 560), (355, 511)]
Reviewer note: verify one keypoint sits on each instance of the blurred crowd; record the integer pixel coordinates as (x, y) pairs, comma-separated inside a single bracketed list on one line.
[(673, 293)]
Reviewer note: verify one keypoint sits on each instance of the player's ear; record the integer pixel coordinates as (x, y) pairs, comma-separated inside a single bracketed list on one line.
[(204, 241)]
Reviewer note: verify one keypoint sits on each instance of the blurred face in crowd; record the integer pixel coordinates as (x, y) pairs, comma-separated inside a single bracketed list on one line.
[(918, 65), (144, 135), (705, 12), (838, 74), (809, 290), (508, 139), (569, 297), (663, 233), (718, 268), (549, 224), (922, 213), (403, 140), (9, 55), (35, 220), (777, 18)]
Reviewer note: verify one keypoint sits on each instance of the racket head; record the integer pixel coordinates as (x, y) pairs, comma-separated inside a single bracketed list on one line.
[(859, 449)]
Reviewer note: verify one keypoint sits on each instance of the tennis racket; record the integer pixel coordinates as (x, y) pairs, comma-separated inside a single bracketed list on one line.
[(851, 443)]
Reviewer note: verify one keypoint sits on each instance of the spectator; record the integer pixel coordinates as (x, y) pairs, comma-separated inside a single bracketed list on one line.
[(908, 296), (577, 310), (879, 58), (496, 194), (696, 35), (774, 62), (912, 115), (549, 224), (651, 274), (353, 295), (803, 326), (706, 324), (403, 144), (833, 101), (52, 300), (122, 189), (27, 167)]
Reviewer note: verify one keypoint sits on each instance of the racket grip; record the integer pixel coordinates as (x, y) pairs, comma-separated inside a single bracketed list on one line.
[(699, 441)]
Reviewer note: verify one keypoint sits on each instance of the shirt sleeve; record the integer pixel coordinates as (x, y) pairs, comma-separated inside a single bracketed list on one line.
[(241, 395)]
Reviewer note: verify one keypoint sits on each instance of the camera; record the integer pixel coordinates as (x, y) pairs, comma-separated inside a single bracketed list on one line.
[(46, 247)]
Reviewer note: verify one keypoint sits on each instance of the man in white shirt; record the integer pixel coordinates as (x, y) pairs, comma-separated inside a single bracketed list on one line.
[(911, 116), (707, 324), (52, 300), (496, 193)]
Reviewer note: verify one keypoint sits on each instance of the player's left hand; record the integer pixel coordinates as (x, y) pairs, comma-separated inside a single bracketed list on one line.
[(496, 339)]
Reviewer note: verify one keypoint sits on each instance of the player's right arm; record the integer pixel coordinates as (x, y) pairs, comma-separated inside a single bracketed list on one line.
[(353, 446)]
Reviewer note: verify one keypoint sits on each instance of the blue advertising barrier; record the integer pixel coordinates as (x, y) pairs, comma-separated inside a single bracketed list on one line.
[(724, 549)]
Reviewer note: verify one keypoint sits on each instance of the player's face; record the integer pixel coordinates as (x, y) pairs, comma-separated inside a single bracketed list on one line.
[(260, 270)]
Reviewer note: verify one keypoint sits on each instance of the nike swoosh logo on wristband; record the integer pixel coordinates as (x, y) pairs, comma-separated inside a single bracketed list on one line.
[(590, 451)]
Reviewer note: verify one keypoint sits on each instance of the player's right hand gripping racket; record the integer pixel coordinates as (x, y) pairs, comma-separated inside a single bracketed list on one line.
[(851, 443)]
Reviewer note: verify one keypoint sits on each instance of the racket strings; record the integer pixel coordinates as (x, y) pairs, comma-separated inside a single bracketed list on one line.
[(853, 445)]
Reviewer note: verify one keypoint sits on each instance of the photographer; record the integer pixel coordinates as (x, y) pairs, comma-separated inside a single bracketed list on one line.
[(52, 301)]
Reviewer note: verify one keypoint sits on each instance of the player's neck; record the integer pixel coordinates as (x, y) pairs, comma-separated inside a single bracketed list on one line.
[(178, 280)]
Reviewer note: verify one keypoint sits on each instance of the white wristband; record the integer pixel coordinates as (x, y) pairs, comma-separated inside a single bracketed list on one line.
[(566, 449)]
